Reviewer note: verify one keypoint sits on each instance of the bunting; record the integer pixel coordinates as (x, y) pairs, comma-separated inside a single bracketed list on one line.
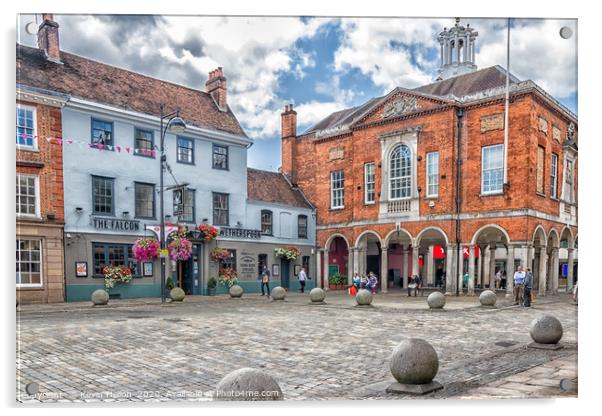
[(100, 147)]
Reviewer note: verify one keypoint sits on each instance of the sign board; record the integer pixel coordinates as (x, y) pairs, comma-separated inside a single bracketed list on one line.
[(163, 253), (247, 268), (178, 202), (115, 224)]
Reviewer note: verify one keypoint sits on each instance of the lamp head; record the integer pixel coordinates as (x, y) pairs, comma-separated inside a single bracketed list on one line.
[(177, 125)]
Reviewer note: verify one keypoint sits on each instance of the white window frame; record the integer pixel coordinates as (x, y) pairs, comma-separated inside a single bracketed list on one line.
[(41, 284), (37, 196), (369, 179), (402, 177), (554, 176), (432, 174), (337, 193), (35, 127), (501, 168)]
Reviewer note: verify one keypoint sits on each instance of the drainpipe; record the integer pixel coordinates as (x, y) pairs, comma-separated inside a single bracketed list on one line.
[(459, 115)]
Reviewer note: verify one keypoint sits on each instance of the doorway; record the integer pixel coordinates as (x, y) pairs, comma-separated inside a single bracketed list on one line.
[(190, 272), (285, 273)]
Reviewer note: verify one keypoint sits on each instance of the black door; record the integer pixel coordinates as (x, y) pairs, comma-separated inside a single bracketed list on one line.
[(285, 273), (187, 276)]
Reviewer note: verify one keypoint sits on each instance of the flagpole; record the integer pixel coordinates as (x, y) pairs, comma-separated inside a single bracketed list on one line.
[(505, 182)]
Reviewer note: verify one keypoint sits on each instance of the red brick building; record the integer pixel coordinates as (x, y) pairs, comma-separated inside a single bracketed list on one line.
[(39, 196), (414, 182)]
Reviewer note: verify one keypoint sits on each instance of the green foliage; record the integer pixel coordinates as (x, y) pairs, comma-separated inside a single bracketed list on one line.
[(212, 283), (169, 284), (337, 279)]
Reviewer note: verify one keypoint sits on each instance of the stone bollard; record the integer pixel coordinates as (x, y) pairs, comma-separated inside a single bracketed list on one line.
[(317, 296), (177, 294), (100, 297), (488, 298), (363, 298), (436, 301), (278, 293), (235, 291), (414, 364), (248, 384), (546, 331)]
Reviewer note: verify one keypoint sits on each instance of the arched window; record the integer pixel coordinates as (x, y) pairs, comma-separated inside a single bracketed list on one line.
[(400, 175), (266, 222)]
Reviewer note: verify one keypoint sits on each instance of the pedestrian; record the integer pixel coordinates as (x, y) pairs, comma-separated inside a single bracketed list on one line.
[(356, 281), (372, 282), (419, 283), (519, 280), (528, 286), (364, 281), (302, 278), (265, 281), (413, 285), (498, 279)]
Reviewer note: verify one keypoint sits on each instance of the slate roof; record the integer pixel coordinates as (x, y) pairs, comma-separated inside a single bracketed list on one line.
[(94, 81), (273, 187), (468, 84), (451, 88)]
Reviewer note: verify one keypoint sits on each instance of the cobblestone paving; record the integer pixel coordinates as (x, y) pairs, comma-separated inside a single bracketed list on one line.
[(141, 351)]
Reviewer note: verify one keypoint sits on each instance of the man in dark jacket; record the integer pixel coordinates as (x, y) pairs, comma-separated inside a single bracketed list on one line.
[(528, 286)]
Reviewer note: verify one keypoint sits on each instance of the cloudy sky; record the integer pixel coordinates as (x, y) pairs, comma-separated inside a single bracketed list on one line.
[(319, 64)]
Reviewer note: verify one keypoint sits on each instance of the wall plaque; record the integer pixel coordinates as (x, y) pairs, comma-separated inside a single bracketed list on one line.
[(115, 224), (336, 153), (556, 133), (492, 122), (543, 125)]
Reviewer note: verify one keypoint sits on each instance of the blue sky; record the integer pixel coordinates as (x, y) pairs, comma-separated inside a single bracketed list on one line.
[(320, 65)]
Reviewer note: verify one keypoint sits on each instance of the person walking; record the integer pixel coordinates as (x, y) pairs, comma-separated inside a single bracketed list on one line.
[(419, 285), (519, 280), (413, 284), (528, 286), (498, 279), (302, 278), (265, 281)]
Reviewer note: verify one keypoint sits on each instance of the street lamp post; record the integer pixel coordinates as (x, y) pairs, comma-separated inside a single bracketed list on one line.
[(177, 126)]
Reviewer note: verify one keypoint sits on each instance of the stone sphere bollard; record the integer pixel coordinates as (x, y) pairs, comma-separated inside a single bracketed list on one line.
[(177, 294), (278, 293), (235, 291), (414, 364), (363, 297), (436, 300), (488, 298), (317, 295), (546, 329), (100, 297), (248, 384)]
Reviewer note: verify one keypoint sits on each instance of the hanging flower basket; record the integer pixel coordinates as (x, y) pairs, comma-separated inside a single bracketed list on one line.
[(145, 249), (180, 247), (219, 254), (289, 253), (116, 274), (227, 277), (208, 232)]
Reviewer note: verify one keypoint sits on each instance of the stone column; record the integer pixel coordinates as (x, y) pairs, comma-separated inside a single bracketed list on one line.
[(510, 271), (471, 258), (326, 269), (450, 273), (529, 260), (472, 49), (457, 49), (555, 265), (319, 277), (384, 269), (569, 270), (465, 49), (479, 279), (404, 269), (349, 265), (415, 264), (492, 267), (460, 269), (356, 266), (430, 272), (543, 263), (486, 255)]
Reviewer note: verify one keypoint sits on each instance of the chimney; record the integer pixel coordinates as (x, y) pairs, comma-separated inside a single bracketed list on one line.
[(289, 136), (48, 38), (216, 86)]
